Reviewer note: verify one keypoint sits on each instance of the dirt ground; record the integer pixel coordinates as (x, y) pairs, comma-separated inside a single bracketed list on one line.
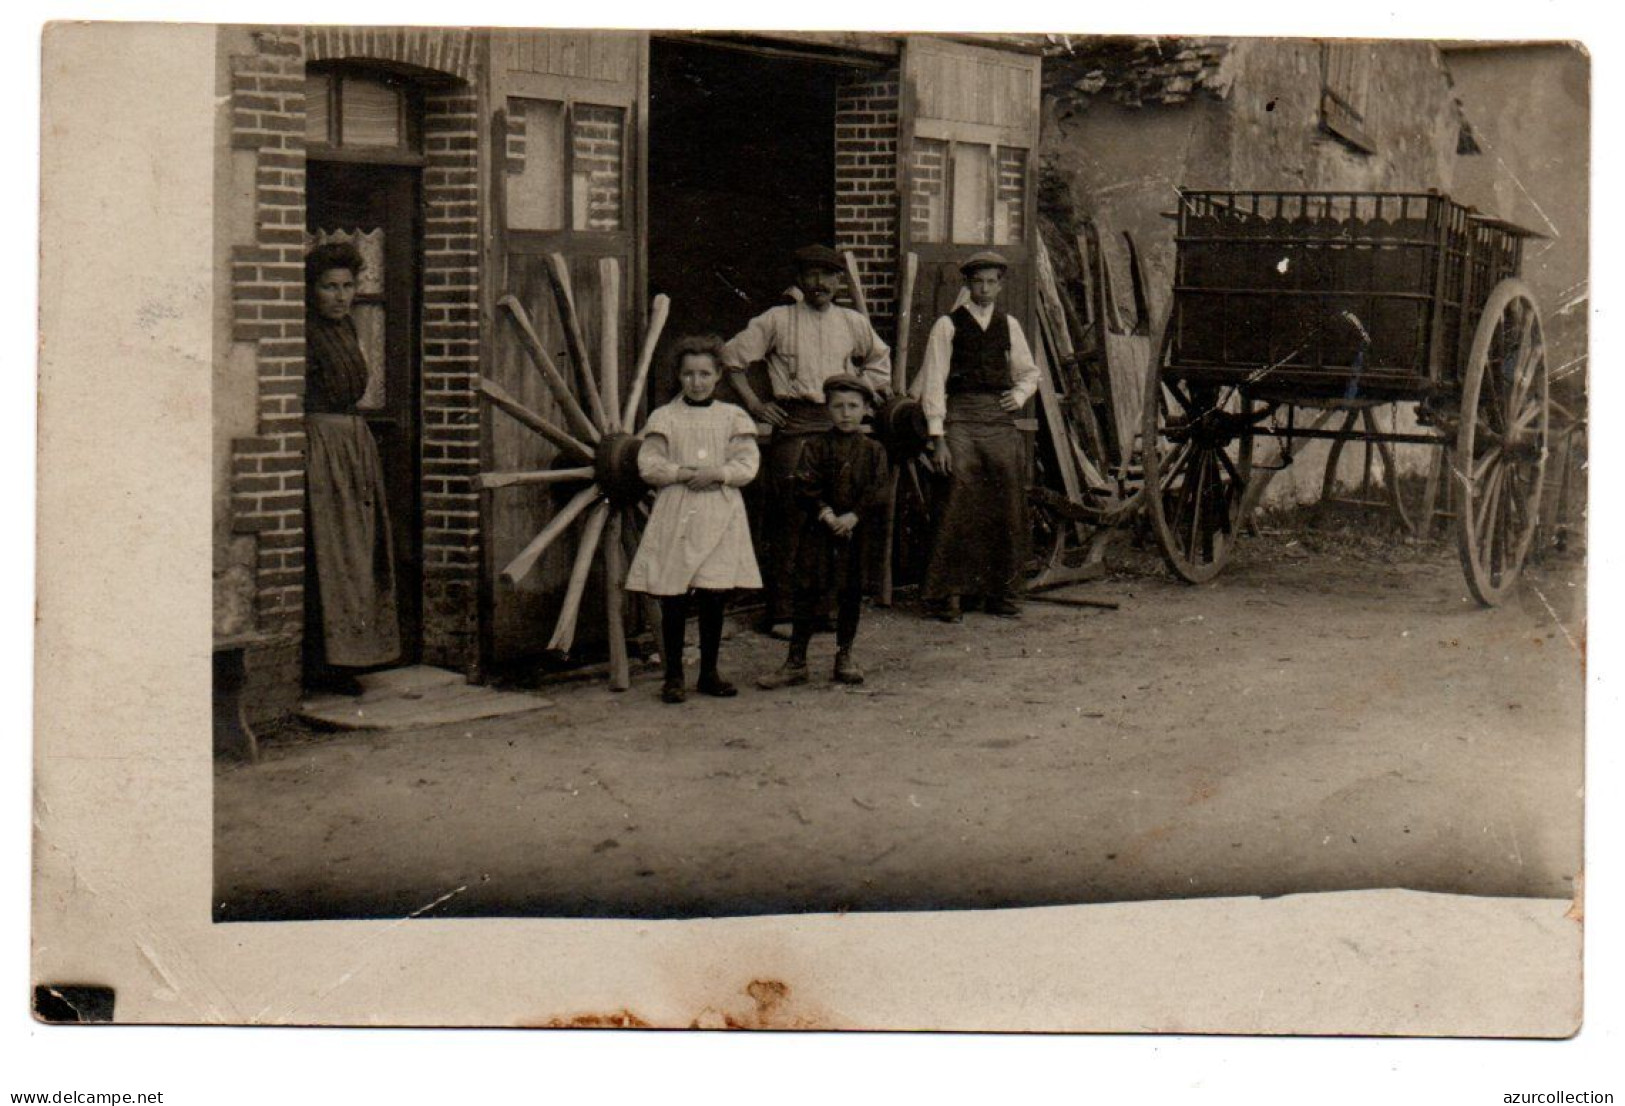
[(1331, 714)]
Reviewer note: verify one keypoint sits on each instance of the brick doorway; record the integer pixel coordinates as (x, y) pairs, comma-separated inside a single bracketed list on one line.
[(741, 172), (375, 206), (364, 185)]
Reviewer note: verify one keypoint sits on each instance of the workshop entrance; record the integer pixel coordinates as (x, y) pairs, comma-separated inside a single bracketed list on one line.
[(741, 173)]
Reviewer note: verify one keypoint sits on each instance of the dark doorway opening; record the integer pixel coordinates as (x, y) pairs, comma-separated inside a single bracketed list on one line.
[(381, 203), (741, 173)]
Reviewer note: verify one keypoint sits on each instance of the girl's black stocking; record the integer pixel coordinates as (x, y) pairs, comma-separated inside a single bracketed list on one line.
[(710, 616), (673, 626)]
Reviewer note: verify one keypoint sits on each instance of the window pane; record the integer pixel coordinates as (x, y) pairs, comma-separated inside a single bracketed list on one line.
[(372, 113), (535, 164), (597, 187), (369, 328), (928, 206), (1008, 210), (972, 206), (318, 109)]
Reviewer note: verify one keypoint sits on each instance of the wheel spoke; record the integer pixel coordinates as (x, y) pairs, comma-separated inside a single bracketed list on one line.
[(1482, 464), (564, 632), (1199, 503), (517, 569), (1486, 503), (1528, 414), (1502, 549), (1176, 463), (1489, 510), (1516, 510), (1526, 376), (1176, 518), (1526, 347)]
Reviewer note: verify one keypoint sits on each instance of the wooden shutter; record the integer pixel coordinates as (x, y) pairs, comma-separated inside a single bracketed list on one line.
[(573, 95), (967, 110)]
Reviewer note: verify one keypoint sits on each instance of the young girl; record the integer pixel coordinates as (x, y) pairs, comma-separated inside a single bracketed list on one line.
[(699, 452)]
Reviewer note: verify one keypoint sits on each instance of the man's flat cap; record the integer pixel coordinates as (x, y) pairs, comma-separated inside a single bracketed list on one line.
[(985, 259), (819, 257)]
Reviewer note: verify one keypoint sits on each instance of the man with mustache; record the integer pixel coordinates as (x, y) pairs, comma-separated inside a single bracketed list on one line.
[(804, 344)]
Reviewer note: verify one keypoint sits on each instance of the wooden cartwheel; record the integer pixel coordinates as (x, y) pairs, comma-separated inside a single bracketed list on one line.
[(598, 447), (1499, 462)]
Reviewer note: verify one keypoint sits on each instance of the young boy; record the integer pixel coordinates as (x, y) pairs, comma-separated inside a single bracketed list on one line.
[(840, 484)]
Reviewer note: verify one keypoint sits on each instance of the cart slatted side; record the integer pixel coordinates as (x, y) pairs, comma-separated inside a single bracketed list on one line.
[(1331, 295)]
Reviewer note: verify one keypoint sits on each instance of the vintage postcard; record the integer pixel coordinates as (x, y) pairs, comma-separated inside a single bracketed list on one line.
[(811, 529)]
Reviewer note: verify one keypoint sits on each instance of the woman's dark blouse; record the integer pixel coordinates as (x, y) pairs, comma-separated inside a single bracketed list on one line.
[(335, 369)]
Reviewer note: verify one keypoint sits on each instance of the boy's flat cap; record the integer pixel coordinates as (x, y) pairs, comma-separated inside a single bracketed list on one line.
[(846, 382)]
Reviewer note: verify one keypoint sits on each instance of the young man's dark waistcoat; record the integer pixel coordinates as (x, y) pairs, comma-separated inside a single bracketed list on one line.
[(980, 362)]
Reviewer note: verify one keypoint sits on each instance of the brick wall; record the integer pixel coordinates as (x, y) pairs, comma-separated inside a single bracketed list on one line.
[(451, 410), (866, 199), (513, 161), (928, 201), (267, 309), (267, 106), (599, 137), (1012, 194)]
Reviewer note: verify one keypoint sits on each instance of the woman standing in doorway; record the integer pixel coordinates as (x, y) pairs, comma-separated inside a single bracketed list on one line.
[(351, 621)]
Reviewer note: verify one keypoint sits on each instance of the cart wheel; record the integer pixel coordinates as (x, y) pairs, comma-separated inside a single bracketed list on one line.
[(1500, 457), (1197, 456)]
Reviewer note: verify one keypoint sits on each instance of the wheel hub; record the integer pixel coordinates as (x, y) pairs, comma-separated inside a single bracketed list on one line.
[(615, 468)]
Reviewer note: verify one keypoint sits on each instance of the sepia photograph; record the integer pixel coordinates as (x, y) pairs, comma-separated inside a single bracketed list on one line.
[(671, 475), (750, 519)]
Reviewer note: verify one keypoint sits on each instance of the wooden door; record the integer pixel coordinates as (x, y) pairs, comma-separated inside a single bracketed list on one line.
[(970, 131), (375, 207), (567, 110)]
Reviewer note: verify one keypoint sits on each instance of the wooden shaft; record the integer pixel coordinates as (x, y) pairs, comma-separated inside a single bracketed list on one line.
[(858, 300), (658, 311), (913, 467), (498, 395), (489, 481), (885, 597), (539, 359), (558, 270), (620, 667), (609, 341), (899, 382), (564, 634), (631, 528), (518, 568), (905, 322), (1074, 601)]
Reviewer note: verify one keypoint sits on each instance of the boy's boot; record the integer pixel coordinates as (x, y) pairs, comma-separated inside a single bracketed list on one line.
[(846, 669), (791, 673)]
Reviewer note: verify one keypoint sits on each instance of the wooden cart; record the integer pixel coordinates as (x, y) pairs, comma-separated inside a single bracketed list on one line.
[(1290, 307)]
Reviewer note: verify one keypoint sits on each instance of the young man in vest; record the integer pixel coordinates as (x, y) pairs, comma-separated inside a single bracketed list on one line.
[(977, 374), (804, 344)]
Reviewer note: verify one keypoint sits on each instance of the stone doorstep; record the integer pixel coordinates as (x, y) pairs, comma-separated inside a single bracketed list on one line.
[(415, 697)]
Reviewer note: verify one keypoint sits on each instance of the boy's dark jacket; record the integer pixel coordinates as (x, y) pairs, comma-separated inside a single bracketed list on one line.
[(846, 473)]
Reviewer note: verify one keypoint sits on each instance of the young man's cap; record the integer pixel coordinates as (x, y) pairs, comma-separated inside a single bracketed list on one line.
[(985, 259), (819, 257), (846, 382)]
